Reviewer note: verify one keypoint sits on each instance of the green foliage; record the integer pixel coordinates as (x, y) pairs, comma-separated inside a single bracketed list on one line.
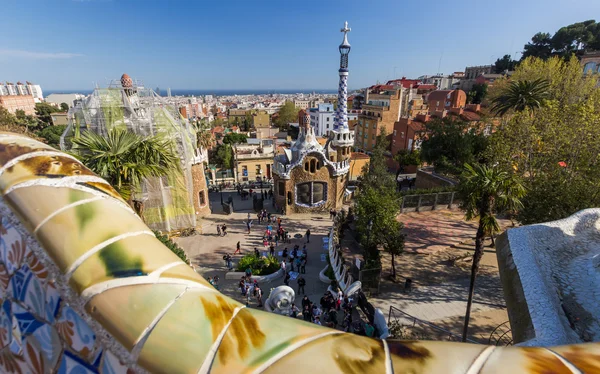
[(260, 266), (506, 63), (223, 156), (375, 173), (520, 96), (44, 113), (51, 135), (478, 93), (566, 41), (451, 144), (555, 150), (288, 113), (64, 107), (235, 138), (10, 123), (124, 159), (404, 157), (172, 246)]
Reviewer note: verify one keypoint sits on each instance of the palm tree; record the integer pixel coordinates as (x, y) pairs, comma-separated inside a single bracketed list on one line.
[(125, 159), (204, 139), (521, 95), (484, 191)]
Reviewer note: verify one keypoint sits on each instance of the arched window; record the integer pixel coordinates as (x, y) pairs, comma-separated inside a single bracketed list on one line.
[(313, 165), (311, 193), (306, 166)]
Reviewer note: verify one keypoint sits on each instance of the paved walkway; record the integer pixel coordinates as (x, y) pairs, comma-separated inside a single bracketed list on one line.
[(206, 250)]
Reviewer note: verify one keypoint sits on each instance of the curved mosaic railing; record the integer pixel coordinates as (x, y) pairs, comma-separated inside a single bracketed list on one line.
[(86, 288)]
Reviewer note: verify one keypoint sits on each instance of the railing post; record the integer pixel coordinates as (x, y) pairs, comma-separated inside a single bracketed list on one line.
[(419, 203), (402, 207), (451, 200), (435, 201)]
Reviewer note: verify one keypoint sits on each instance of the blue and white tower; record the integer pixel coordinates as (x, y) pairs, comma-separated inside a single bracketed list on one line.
[(341, 137)]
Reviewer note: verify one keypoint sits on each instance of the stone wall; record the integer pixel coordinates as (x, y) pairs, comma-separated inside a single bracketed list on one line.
[(428, 179), (199, 184)]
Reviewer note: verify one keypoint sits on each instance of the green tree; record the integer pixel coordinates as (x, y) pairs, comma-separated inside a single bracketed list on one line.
[(125, 159), (556, 150), (287, 114), (51, 135), (506, 63), (485, 191), (167, 242), (405, 157), (44, 113), (393, 242), (248, 122), (235, 138), (64, 107), (540, 46), (377, 205), (478, 93), (520, 96), (204, 138), (224, 156), (567, 40), (452, 143)]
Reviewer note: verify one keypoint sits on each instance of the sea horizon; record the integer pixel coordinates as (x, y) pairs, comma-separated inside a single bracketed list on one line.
[(219, 92)]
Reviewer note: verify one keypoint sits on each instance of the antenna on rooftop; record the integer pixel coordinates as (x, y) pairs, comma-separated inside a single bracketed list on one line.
[(440, 63)]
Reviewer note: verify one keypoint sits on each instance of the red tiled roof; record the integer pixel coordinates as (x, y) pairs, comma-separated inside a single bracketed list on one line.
[(470, 116), (438, 95), (425, 87), (416, 126), (381, 87)]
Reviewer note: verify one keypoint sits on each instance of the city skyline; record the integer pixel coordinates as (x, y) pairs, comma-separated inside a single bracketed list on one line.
[(265, 45)]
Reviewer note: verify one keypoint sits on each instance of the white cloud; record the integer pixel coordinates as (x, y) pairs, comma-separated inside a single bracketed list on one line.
[(36, 55)]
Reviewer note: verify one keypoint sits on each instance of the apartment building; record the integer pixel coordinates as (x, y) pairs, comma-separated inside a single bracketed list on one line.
[(254, 161), (382, 108)]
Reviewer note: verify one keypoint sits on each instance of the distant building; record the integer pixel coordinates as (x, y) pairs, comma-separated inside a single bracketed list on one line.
[(442, 82), (408, 133), (322, 118), (69, 99), (60, 119), (302, 103), (358, 161), (237, 116), (488, 79), (471, 73), (12, 103), (261, 118), (23, 89), (382, 108), (444, 100), (253, 162)]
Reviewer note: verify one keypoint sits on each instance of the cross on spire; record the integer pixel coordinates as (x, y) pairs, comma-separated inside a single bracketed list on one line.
[(346, 29)]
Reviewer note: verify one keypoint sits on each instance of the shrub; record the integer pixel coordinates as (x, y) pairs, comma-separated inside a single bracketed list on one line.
[(172, 246), (260, 266)]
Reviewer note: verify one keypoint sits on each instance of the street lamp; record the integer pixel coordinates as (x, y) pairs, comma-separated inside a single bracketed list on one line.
[(223, 175)]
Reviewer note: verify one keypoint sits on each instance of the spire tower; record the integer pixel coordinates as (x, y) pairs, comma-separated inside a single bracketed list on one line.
[(341, 136)]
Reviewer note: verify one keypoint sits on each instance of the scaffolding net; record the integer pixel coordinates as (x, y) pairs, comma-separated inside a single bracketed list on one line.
[(168, 203)]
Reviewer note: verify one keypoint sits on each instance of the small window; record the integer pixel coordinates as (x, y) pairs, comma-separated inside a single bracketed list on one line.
[(313, 165), (289, 197), (202, 198), (281, 188), (306, 166)]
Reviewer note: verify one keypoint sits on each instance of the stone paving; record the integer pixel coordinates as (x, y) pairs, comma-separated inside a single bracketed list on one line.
[(440, 291)]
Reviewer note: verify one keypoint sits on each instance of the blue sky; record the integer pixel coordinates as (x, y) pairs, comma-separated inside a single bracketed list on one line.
[(287, 44)]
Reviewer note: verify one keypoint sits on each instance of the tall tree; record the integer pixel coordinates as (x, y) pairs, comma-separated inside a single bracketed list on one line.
[(506, 63), (223, 156), (287, 114), (540, 46), (478, 93), (44, 113), (235, 138), (520, 96), (451, 143), (125, 159), (376, 171), (484, 191), (556, 150), (64, 107), (393, 243)]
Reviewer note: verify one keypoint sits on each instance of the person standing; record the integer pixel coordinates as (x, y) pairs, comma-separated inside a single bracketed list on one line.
[(340, 296), (224, 229), (301, 284), (272, 250), (284, 254), (294, 311), (219, 230), (306, 313), (256, 253), (258, 295), (286, 280), (238, 248), (249, 225), (303, 265), (308, 236)]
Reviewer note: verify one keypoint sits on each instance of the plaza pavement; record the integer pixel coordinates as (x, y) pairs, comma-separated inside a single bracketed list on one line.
[(206, 250)]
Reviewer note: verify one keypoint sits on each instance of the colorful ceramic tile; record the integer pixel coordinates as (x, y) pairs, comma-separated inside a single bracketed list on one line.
[(245, 344), (37, 268), (49, 344), (43, 166), (72, 364), (340, 354), (4, 279), (12, 363), (96, 358), (14, 249), (128, 257), (70, 234), (37, 203), (127, 311), (34, 356), (5, 324), (75, 332), (16, 340), (27, 323), (184, 335), (53, 300), (29, 290), (112, 365), (586, 357), (522, 360), (13, 145), (184, 271)]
